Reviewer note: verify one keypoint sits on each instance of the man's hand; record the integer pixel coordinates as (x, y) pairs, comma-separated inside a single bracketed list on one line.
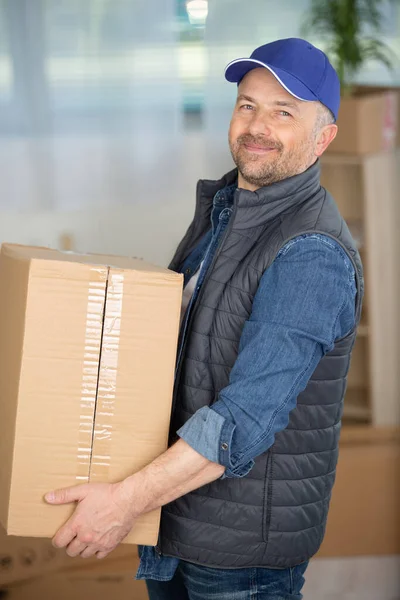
[(102, 519), (106, 512)]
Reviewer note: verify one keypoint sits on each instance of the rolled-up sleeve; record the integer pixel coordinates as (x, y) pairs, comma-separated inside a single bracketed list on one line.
[(305, 301)]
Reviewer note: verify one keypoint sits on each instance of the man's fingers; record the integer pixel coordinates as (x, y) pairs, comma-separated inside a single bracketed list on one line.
[(64, 536), (66, 495), (88, 552), (101, 555), (75, 547)]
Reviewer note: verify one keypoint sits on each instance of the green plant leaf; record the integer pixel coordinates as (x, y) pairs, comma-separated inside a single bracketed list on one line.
[(347, 27), (376, 50)]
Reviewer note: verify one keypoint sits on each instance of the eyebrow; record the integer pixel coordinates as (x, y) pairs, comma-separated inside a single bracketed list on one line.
[(244, 97), (286, 103)]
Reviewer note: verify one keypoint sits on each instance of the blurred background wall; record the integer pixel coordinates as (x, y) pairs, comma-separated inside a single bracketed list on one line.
[(110, 110)]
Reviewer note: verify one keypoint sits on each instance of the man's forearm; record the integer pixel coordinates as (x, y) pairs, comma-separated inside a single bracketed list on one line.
[(175, 473)]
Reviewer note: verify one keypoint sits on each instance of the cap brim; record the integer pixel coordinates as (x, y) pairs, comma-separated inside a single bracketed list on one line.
[(237, 69)]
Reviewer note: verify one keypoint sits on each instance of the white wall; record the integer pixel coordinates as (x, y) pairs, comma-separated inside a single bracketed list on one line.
[(96, 190)]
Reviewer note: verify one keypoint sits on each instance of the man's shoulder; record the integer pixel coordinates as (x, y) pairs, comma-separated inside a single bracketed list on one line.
[(316, 247)]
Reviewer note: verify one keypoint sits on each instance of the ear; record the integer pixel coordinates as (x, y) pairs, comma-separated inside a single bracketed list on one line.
[(324, 138)]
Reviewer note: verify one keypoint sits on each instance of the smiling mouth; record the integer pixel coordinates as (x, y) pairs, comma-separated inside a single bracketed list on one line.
[(258, 149)]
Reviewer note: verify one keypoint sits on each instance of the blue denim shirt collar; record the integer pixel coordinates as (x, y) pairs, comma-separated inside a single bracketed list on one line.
[(223, 199)]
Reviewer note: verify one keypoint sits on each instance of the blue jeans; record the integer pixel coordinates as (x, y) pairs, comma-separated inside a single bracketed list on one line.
[(193, 582)]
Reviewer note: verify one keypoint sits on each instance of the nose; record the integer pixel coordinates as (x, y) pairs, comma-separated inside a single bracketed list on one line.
[(259, 125)]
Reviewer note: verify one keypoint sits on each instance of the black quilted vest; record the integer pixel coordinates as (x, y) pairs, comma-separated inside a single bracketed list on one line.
[(276, 515)]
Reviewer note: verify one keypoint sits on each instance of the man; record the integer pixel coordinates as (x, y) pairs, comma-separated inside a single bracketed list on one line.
[(273, 292)]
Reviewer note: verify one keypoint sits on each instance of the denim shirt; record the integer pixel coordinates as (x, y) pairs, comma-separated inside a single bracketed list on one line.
[(305, 301)]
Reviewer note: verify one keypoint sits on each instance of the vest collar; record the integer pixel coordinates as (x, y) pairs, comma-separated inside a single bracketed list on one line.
[(255, 208)]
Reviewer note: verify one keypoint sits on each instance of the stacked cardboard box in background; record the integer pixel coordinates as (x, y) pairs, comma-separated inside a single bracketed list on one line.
[(87, 356), (118, 585), (32, 569), (369, 121), (28, 558)]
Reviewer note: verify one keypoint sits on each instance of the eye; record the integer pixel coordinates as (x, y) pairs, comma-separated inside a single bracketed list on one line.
[(246, 106), (284, 113)]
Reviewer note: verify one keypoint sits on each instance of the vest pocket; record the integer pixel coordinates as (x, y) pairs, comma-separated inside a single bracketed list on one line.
[(267, 495)]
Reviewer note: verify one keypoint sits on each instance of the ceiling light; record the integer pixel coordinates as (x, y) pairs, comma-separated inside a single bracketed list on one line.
[(197, 11)]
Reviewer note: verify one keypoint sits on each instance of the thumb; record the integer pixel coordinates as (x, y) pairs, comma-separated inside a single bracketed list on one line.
[(66, 495)]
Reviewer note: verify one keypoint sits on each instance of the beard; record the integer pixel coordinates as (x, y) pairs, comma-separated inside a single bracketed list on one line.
[(262, 170)]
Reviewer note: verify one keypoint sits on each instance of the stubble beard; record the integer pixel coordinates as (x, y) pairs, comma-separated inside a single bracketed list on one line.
[(261, 170)]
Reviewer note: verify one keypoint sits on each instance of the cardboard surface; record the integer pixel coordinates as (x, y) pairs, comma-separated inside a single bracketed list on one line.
[(23, 558), (364, 516), (106, 586), (118, 561), (368, 122), (27, 558), (87, 358)]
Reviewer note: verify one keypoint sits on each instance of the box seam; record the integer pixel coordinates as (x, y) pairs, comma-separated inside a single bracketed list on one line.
[(98, 373)]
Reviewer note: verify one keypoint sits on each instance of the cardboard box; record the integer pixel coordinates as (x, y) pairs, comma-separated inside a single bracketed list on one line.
[(364, 516), (119, 585), (27, 558), (22, 558), (368, 122), (113, 563), (87, 356)]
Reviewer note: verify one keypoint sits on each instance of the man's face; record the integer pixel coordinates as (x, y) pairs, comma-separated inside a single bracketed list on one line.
[(272, 135)]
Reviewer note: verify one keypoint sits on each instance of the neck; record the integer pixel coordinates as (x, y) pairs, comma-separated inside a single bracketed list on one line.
[(245, 185), (251, 187)]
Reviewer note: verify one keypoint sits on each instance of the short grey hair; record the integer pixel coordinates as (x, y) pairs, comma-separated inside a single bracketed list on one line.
[(324, 117)]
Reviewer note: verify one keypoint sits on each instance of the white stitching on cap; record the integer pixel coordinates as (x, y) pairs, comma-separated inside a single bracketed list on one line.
[(258, 62)]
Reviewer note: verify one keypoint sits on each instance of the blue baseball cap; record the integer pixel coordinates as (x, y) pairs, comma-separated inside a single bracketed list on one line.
[(301, 68)]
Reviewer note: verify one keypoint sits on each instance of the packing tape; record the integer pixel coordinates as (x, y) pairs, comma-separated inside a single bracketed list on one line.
[(93, 338), (107, 381)]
